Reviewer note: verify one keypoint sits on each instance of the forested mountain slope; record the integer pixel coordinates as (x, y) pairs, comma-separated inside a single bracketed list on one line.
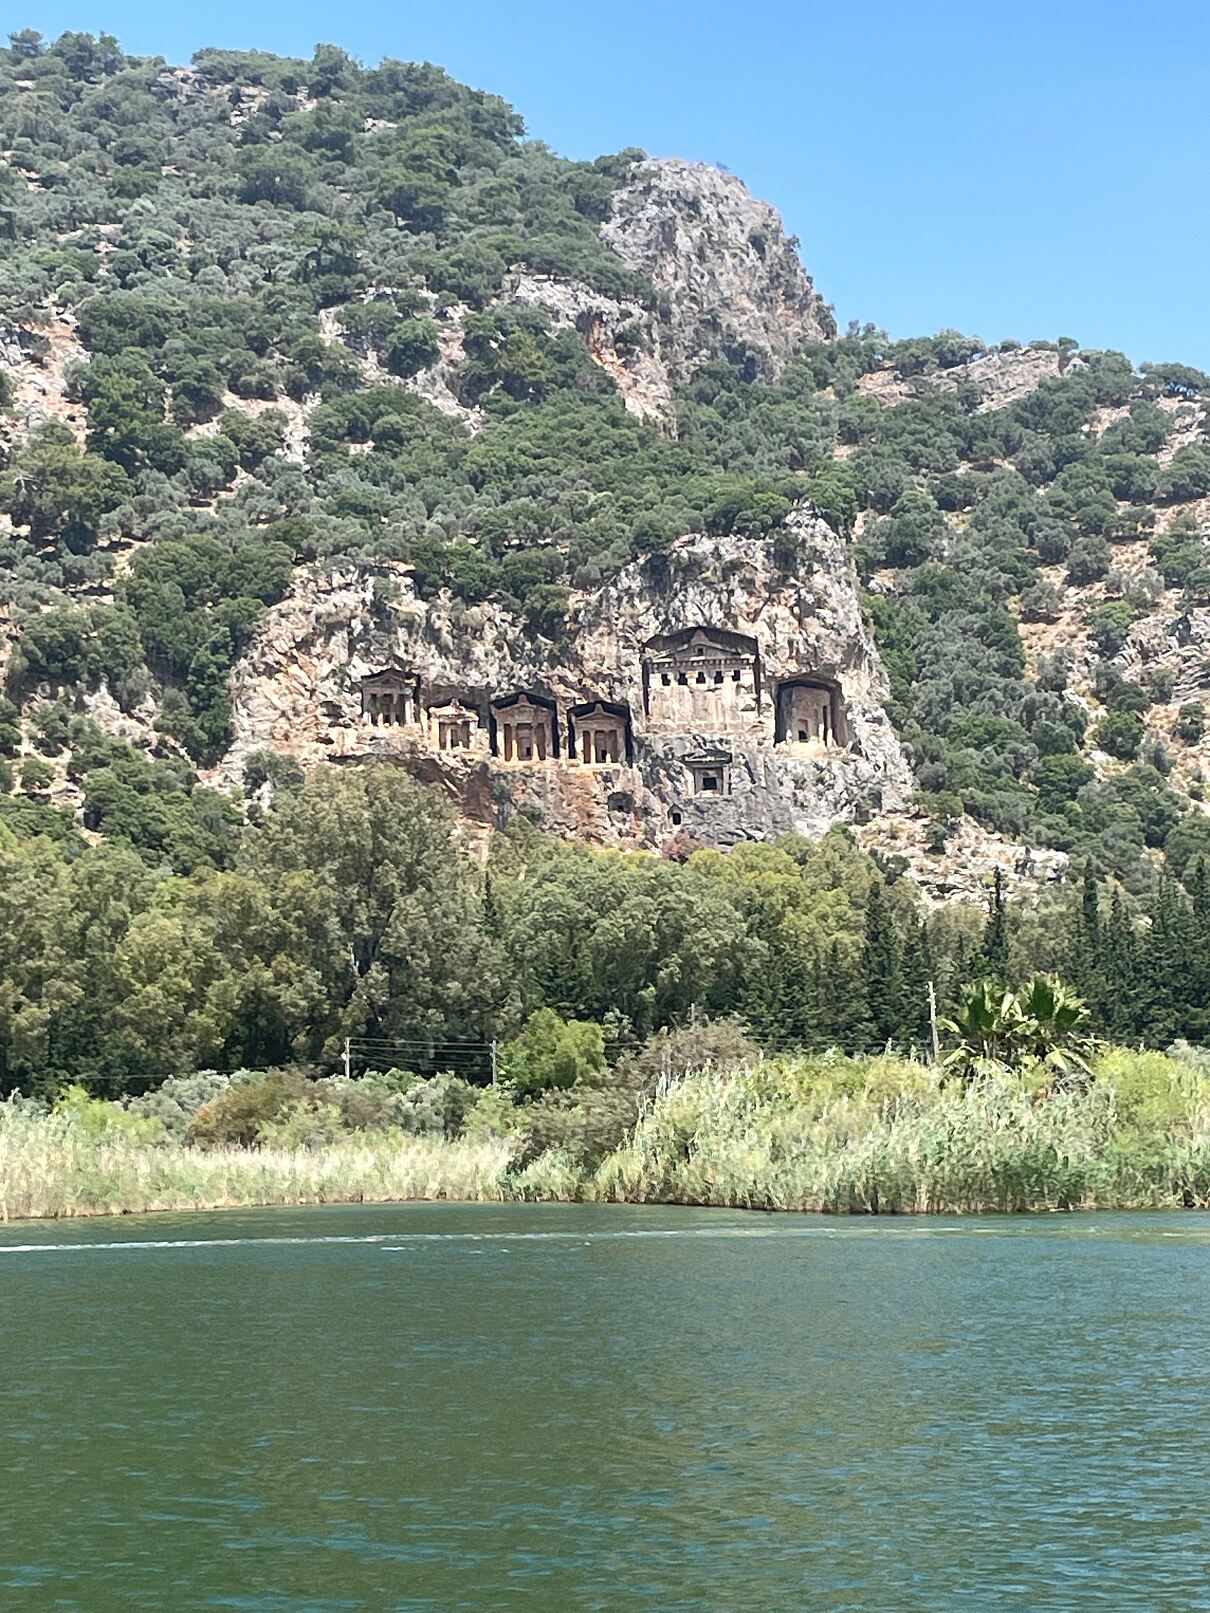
[(264, 322)]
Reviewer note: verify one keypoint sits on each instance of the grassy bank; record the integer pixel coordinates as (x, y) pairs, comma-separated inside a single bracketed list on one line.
[(874, 1135), (896, 1140), (46, 1170)]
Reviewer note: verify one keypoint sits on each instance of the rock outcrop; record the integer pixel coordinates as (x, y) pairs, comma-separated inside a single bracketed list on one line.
[(1004, 377), (966, 864), (730, 278), (709, 763), (436, 385), (624, 338), (1176, 642), (1000, 378), (36, 360)]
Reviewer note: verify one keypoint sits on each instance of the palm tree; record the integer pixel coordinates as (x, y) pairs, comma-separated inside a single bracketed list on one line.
[(989, 1030), (1043, 1024), (1056, 1030)]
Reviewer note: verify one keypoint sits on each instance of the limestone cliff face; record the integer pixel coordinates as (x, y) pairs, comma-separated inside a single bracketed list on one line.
[(706, 761), (624, 339), (729, 281), (731, 278)]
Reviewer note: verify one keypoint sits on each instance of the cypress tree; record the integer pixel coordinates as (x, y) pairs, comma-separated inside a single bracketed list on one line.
[(992, 958), (1084, 952), (821, 1032), (916, 972), (1197, 882), (957, 977), (491, 911), (842, 1013), (779, 995), (880, 967), (1166, 1001), (1090, 908), (1116, 1000)]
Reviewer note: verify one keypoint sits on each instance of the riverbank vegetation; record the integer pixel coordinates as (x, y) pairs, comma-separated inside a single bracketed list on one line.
[(697, 1117), (350, 911)]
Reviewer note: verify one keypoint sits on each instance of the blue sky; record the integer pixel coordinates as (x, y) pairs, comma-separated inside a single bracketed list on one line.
[(1027, 170)]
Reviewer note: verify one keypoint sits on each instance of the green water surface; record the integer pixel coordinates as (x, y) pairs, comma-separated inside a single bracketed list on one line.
[(550, 1409)]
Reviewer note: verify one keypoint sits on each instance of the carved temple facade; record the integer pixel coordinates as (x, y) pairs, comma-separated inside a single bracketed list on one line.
[(525, 728), (701, 679), (703, 690), (598, 731), (391, 698)]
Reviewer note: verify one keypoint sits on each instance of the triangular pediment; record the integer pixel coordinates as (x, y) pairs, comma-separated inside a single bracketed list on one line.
[(707, 756), (391, 678), (702, 640), (601, 708)]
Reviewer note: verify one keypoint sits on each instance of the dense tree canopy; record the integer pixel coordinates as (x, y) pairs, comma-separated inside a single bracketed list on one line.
[(350, 909)]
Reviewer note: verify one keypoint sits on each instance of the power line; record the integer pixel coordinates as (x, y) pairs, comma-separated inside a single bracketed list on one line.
[(458, 1057), (420, 1041), (419, 1050)]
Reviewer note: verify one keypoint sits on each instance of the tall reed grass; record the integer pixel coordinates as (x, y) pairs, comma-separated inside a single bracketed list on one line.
[(898, 1140), (832, 1134), (49, 1166)]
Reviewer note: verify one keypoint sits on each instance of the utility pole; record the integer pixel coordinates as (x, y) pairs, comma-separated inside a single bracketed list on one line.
[(933, 1023), (495, 1070), (346, 1059)]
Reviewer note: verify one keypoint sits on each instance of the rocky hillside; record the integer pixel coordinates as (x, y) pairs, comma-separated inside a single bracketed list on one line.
[(342, 422)]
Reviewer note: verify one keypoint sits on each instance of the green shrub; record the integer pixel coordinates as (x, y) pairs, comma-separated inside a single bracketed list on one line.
[(36, 775), (241, 1115), (553, 1052), (1120, 734), (1191, 722), (412, 346), (584, 1125), (1089, 560), (1109, 626), (670, 1055)]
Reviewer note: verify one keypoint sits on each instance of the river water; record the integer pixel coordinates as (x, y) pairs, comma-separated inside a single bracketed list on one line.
[(555, 1409)]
